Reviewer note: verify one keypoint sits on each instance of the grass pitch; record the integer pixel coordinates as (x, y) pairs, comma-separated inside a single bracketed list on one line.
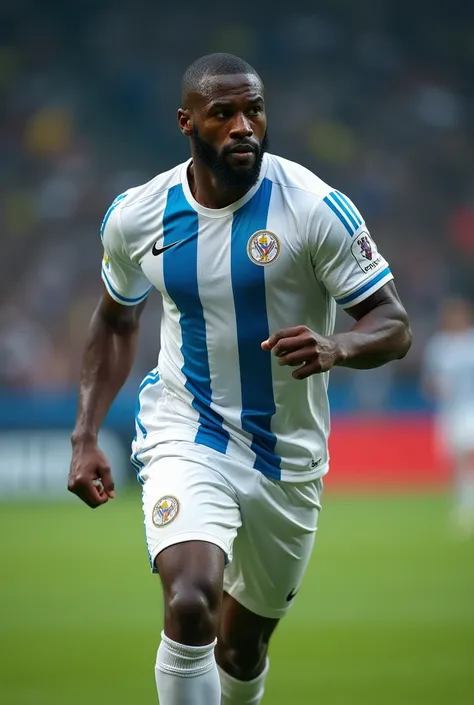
[(385, 616)]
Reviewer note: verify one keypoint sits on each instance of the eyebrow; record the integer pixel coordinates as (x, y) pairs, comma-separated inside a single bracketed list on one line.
[(222, 103)]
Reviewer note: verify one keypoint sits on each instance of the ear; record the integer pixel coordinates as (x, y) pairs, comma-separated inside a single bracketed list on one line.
[(185, 122)]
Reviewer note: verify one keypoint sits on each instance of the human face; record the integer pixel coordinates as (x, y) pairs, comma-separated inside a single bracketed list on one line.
[(227, 126)]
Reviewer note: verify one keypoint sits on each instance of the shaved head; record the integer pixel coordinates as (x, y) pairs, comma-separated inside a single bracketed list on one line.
[(201, 72)]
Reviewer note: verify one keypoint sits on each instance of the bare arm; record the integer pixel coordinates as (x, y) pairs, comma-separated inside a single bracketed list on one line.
[(381, 334), (107, 361)]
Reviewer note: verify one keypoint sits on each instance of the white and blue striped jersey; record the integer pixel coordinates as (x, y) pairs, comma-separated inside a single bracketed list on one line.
[(280, 256)]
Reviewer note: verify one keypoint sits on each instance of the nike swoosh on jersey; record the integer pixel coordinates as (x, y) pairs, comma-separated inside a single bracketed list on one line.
[(158, 251)]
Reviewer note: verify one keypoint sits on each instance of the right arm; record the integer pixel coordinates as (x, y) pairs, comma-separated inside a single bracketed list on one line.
[(108, 358)]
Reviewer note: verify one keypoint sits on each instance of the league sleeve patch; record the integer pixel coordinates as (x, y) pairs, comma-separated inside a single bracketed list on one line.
[(364, 250)]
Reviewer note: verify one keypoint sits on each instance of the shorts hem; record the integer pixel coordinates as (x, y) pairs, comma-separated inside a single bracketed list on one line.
[(252, 606), (189, 536)]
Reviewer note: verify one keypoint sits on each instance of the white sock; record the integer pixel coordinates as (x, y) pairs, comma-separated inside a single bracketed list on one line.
[(186, 675), (236, 692)]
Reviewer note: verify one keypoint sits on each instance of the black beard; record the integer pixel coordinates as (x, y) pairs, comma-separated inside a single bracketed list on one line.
[(227, 176)]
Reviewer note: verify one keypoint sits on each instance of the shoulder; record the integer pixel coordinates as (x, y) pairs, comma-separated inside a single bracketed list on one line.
[(322, 204), (143, 204), (292, 176), (138, 196)]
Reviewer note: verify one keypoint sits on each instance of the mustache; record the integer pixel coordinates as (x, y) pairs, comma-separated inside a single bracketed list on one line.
[(243, 146)]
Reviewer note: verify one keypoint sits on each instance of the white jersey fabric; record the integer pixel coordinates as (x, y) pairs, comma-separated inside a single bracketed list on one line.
[(280, 256)]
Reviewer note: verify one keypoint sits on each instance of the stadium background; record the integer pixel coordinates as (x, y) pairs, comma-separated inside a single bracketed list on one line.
[(375, 97)]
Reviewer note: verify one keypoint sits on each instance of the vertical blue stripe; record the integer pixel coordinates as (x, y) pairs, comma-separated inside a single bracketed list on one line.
[(180, 271), (248, 286), (350, 206), (151, 378), (337, 212), (355, 221)]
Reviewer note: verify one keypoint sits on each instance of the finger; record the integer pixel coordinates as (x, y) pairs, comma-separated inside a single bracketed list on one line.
[(298, 357), (93, 495), (107, 481), (307, 370), (270, 343)]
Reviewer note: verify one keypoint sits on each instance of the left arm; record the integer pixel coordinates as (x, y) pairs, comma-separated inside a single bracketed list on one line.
[(381, 334), (347, 263)]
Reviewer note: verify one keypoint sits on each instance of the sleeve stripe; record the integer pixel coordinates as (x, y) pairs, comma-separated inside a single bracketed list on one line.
[(112, 207), (356, 221), (351, 207), (337, 212), (118, 296), (381, 275)]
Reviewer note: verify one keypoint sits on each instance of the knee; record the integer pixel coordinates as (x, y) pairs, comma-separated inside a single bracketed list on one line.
[(192, 613), (242, 658)]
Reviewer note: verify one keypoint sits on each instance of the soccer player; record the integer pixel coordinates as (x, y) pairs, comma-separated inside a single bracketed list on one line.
[(250, 253), (449, 378)]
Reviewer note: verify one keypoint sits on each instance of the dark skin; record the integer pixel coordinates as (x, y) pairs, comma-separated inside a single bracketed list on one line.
[(227, 112)]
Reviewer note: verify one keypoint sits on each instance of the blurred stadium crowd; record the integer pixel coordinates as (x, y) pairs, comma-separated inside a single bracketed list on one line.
[(376, 97)]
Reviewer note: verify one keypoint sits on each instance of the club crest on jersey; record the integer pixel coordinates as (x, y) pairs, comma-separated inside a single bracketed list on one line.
[(263, 247), (165, 511), (365, 248), (364, 251)]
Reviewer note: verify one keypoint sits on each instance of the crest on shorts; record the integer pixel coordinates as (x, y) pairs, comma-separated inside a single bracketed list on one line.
[(263, 247), (165, 511), (106, 260)]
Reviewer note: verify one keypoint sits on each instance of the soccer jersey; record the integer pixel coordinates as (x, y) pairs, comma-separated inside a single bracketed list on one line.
[(281, 256)]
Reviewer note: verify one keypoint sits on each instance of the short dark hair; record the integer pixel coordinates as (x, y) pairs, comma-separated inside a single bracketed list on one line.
[(218, 64)]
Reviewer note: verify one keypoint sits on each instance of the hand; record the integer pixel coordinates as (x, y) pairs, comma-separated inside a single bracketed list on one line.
[(303, 348), (90, 477)]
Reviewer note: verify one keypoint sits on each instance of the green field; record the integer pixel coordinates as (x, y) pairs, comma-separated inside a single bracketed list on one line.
[(385, 617)]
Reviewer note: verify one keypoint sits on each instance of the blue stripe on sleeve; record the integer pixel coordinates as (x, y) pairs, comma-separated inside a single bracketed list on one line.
[(109, 212), (365, 287), (356, 221), (180, 271), (336, 211), (351, 207), (248, 286), (113, 291)]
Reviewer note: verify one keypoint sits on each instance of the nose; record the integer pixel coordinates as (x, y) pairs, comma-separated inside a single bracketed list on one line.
[(241, 127)]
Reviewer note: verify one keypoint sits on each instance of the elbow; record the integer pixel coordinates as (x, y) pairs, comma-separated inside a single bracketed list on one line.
[(404, 337)]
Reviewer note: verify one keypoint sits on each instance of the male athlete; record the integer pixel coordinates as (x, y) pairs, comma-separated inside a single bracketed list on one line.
[(250, 252), (449, 378)]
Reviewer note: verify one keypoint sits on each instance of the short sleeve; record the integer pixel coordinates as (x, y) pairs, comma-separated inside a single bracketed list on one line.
[(344, 256), (123, 279)]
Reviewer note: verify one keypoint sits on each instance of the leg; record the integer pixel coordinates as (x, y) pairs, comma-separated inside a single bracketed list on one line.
[(191, 519), (243, 640), (191, 574), (272, 551)]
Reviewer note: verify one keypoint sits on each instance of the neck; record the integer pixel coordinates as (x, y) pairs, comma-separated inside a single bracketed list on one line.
[(207, 191)]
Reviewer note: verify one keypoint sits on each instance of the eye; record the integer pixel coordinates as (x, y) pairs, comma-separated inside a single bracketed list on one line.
[(256, 110), (222, 114)]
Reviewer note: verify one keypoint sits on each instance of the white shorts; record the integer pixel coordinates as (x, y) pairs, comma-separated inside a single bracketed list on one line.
[(265, 528)]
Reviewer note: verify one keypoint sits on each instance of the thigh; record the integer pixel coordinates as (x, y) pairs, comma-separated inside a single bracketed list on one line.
[(274, 545), (185, 498)]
